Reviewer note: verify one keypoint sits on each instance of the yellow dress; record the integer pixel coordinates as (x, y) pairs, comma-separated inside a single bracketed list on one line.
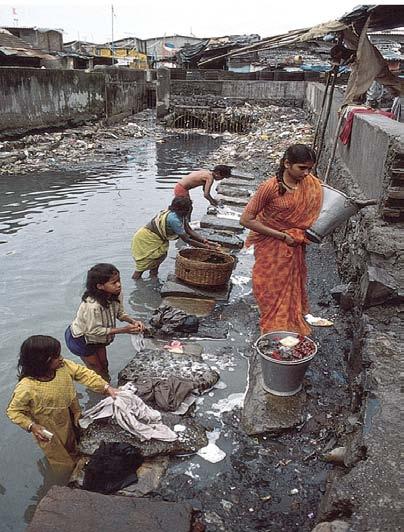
[(148, 247), (54, 405)]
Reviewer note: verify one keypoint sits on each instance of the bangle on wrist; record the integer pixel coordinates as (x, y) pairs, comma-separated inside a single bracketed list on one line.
[(29, 428), (284, 236)]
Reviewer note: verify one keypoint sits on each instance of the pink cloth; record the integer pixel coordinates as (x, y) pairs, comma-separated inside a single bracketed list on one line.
[(180, 191), (346, 130)]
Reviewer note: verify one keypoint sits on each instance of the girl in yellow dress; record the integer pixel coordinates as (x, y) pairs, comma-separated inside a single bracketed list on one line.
[(44, 401)]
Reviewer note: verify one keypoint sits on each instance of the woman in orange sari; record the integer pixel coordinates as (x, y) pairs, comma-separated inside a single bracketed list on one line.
[(278, 214)]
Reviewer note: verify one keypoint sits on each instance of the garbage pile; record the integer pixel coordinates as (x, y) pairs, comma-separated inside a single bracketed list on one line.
[(50, 150), (275, 128)]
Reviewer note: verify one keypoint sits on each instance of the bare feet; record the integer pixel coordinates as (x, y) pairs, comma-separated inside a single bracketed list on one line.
[(154, 272), (137, 275)]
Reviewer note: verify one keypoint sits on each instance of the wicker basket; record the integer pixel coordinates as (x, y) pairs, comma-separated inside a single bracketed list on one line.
[(191, 268)]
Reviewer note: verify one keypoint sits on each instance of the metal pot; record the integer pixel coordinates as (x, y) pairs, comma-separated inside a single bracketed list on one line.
[(335, 210), (283, 377)]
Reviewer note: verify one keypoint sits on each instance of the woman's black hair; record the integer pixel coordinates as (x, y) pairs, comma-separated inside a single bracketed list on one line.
[(36, 354), (100, 274), (296, 153), (181, 206)]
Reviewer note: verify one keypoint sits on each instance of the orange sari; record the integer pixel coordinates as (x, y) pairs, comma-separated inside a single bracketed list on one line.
[(279, 272)]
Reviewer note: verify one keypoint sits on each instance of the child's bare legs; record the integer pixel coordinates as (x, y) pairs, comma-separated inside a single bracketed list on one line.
[(103, 361), (91, 361), (137, 275), (98, 362), (155, 271)]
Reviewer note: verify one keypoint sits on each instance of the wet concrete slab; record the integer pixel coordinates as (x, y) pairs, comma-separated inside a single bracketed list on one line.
[(240, 174), (213, 222), (264, 413), (191, 305), (235, 192), (232, 200), (71, 510), (225, 239), (236, 182), (188, 442), (175, 287)]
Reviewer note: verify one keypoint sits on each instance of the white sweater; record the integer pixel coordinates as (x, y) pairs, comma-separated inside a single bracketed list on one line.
[(94, 322)]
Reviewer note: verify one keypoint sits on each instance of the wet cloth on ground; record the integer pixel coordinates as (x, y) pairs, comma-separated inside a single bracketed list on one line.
[(132, 414), (150, 243), (112, 467), (54, 405), (168, 393), (170, 320), (279, 272)]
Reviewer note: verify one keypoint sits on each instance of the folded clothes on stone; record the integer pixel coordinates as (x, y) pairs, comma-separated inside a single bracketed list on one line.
[(132, 414)]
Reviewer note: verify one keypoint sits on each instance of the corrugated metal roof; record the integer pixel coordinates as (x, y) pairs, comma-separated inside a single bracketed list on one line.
[(11, 45)]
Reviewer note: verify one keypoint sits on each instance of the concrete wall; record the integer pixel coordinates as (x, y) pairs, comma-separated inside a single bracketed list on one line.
[(125, 91), (33, 98), (369, 247), (373, 140), (281, 92), (375, 150)]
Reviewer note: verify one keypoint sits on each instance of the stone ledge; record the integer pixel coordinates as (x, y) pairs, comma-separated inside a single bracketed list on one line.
[(266, 413), (70, 510), (175, 287)]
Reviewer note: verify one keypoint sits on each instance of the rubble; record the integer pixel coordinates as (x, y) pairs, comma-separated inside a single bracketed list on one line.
[(51, 150), (377, 286), (275, 128)]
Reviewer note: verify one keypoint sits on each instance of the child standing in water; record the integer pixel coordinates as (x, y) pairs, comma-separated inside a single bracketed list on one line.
[(94, 326), (44, 401)]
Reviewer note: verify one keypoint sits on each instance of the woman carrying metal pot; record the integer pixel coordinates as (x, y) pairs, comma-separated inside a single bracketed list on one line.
[(278, 214)]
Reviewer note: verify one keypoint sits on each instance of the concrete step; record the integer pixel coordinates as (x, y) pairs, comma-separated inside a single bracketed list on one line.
[(175, 287), (222, 224)]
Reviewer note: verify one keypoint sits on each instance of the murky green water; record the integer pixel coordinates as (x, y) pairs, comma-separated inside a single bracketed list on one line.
[(53, 227)]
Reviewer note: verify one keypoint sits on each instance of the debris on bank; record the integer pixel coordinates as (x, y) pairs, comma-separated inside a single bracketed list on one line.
[(50, 150), (275, 128)]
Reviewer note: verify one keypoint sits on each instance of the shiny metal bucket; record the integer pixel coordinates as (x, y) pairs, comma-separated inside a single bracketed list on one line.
[(283, 377), (335, 210)]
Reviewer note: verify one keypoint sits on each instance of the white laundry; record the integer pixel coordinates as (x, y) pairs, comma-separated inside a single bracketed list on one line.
[(211, 452), (132, 414), (317, 322), (227, 212), (137, 342)]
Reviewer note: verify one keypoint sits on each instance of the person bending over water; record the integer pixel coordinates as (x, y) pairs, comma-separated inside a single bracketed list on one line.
[(202, 178), (150, 243)]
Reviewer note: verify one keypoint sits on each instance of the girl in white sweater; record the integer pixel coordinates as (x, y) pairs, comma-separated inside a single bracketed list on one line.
[(94, 326)]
